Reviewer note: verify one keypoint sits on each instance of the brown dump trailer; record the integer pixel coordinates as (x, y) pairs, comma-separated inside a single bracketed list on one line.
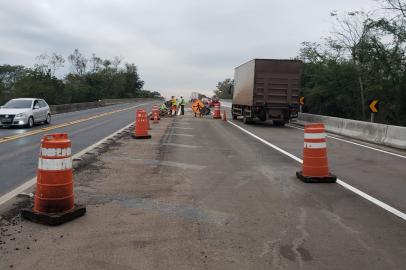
[(267, 89)]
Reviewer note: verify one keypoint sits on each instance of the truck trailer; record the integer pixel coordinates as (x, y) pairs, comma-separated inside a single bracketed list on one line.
[(267, 89)]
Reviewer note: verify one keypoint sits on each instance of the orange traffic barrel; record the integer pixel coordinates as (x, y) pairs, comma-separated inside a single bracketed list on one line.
[(155, 110), (54, 197), (315, 164), (141, 125), (216, 112)]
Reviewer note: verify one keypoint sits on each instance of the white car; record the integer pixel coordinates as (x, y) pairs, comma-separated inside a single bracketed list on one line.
[(25, 112)]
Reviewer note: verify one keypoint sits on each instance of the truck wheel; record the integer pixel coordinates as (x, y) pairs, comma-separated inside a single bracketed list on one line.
[(279, 123), (235, 116), (247, 120)]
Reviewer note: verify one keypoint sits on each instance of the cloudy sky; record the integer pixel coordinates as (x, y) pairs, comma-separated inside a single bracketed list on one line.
[(179, 46)]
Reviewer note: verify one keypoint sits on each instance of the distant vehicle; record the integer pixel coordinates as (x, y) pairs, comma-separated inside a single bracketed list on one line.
[(267, 89), (25, 112)]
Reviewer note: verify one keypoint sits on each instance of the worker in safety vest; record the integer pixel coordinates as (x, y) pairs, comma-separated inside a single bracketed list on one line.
[(182, 106), (174, 104)]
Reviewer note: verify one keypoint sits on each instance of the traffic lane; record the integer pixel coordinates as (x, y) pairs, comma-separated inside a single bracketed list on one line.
[(265, 217), (64, 117), (380, 175), (19, 158)]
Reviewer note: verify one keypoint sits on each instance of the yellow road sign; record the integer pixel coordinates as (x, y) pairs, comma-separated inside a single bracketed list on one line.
[(197, 105), (374, 105), (301, 100)]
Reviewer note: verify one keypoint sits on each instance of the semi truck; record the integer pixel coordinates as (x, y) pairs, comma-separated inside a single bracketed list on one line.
[(267, 89)]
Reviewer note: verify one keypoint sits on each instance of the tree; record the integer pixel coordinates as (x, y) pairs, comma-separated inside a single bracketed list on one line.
[(9, 75), (78, 62), (104, 78), (49, 64), (223, 89), (354, 30)]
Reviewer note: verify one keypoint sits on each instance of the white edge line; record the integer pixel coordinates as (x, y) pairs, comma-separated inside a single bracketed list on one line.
[(340, 182), (358, 144), (8, 196)]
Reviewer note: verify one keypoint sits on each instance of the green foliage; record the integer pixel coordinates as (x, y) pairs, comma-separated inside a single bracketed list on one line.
[(362, 60), (223, 89), (90, 80)]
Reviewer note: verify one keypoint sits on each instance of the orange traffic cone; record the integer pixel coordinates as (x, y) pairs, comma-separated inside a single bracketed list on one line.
[(141, 126), (216, 112), (54, 198), (315, 164), (224, 116)]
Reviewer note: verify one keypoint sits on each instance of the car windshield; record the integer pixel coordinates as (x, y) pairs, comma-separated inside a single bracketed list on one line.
[(18, 104)]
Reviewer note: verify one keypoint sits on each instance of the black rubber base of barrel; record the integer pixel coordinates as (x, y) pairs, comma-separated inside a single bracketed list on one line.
[(153, 118), (216, 117), (308, 179), (53, 219), (139, 137)]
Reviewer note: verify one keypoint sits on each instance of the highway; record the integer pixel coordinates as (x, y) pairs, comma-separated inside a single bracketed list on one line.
[(376, 170), (211, 194), (277, 221), (19, 147)]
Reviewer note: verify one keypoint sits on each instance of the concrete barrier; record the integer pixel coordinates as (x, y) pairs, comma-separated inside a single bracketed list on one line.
[(393, 136), (55, 109)]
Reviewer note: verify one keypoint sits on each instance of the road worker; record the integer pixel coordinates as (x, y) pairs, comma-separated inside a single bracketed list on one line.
[(163, 109), (174, 104), (182, 106)]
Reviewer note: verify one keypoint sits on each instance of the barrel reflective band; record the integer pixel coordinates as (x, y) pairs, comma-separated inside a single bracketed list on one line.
[(315, 145), (55, 164), (315, 135), (55, 152)]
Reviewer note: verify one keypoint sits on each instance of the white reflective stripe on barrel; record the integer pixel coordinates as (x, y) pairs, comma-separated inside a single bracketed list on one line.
[(55, 164), (55, 152), (315, 135), (315, 145)]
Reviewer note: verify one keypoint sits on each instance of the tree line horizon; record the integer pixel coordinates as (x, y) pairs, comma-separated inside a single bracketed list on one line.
[(90, 79)]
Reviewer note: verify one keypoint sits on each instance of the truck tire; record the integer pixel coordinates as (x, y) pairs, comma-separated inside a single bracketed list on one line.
[(278, 123), (262, 118), (247, 120), (235, 116)]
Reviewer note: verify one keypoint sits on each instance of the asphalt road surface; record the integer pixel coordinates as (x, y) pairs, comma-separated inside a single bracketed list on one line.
[(205, 194), (19, 147), (376, 170), (275, 221)]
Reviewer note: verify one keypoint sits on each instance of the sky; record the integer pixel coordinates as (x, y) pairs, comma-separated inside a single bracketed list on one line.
[(179, 46)]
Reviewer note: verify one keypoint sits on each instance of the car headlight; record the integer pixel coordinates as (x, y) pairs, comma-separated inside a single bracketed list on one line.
[(20, 115)]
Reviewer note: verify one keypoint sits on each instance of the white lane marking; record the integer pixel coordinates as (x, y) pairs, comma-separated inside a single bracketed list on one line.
[(8, 196), (340, 182), (358, 144), (55, 164), (267, 143), (315, 135), (315, 145)]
